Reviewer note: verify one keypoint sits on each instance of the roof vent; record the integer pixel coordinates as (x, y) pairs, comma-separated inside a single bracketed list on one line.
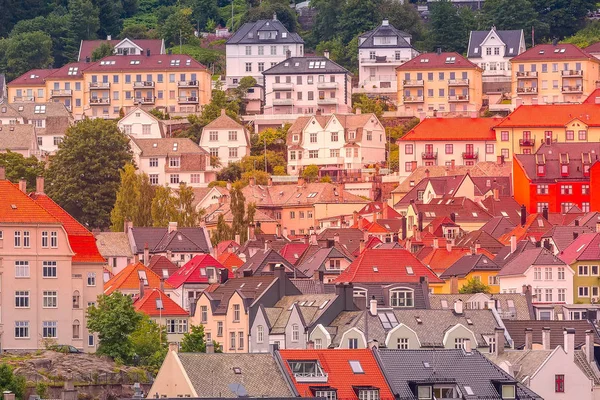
[(13, 206)]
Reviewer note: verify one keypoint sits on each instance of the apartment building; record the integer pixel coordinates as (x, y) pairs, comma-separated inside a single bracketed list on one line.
[(303, 85), (258, 46), (448, 142), (439, 84), (553, 73), (176, 84), (225, 139), (337, 141), (380, 51), (122, 47)]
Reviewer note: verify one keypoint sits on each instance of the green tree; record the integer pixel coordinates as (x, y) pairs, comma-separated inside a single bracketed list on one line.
[(128, 198), (195, 342), (474, 286), (84, 174), (237, 206), (164, 207), (18, 167), (149, 343), (104, 50), (137, 31), (218, 102), (241, 91), (129, 7), (563, 17), (260, 177), (230, 173), (178, 27), (403, 16), (202, 11), (450, 26), (109, 12), (267, 8), (85, 19), (273, 138), (9, 381), (310, 172), (187, 216), (357, 16), (513, 14), (114, 319), (326, 21), (222, 232), (26, 51), (274, 159), (143, 216), (368, 105), (279, 170)]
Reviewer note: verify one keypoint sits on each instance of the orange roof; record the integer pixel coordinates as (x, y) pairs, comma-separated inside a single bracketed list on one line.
[(148, 306), (129, 279), (557, 115), (16, 206), (591, 99), (463, 129), (230, 260), (341, 376), (562, 51), (431, 61), (440, 259), (535, 226)]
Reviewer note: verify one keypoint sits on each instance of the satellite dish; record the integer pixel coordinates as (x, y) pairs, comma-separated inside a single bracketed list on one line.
[(238, 389)]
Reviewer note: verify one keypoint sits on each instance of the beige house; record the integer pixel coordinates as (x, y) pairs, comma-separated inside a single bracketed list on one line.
[(225, 139), (141, 124)]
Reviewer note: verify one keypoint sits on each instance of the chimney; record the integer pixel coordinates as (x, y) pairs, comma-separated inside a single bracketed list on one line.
[(523, 215), (108, 37), (499, 339), (575, 235), (546, 338), (23, 185), (127, 226), (589, 346), (326, 54), (146, 254), (237, 238), (375, 216), (141, 288), (2, 173), (281, 278), (251, 235), (210, 347), (313, 237), (373, 306), (420, 221), (285, 232), (453, 217), (435, 243), (274, 16), (288, 54), (496, 194), (528, 338), (545, 213), (251, 181), (39, 184), (513, 244), (452, 165), (439, 51), (362, 246), (278, 230), (310, 345), (355, 218), (147, 52), (427, 173), (169, 255), (162, 284), (467, 346), (449, 245), (172, 226), (8, 395), (403, 228), (385, 22), (270, 181), (453, 285), (569, 346), (222, 111), (598, 227), (267, 243), (336, 237), (358, 111), (477, 246), (458, 307)]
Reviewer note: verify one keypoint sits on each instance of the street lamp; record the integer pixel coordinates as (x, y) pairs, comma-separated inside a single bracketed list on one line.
[(159, 306)]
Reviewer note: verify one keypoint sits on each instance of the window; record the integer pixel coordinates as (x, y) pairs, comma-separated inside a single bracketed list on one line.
[(17, 239), (368, 394), (559, 383), (91, 279), (203, 314), (22, 299), (548, 295), (240, 340), (313, 154), (236, 313), (260, 334), (424, 392), (449, 148), (153, 162), (248, 50), (542, 189), (403, 343), (292, 214), (49, 329), (313, 138), (233, 152), (248, 67), (76, 327), (548, 273), (583, 291), (583, 270), (295, 333), (585, 189), (504, 136), (220, 329), (353, 343), (537, 274), (408, 149), (153, 179), (21, 269), (49, 269), (45, 239), (174, 162), (401, 298), (232, 340), (50, 299), (566, 189), (174, 179), (54, 239), (562, 295), (505, 153), (21, 329), (582, 135), (508, 391), (326, 394), (177, 326), (26, 243), (489, 148), (541, 207), (459, 343)]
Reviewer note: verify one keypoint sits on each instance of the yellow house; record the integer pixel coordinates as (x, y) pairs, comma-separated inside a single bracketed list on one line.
[(177, 84), (437, 84), (473, 266), (553, 73)]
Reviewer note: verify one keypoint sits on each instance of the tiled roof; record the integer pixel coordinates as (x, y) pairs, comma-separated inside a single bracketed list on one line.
[(379, 265), (149, 305), (167, 147), (293, 251), (159, 240), (155, 62), (511, 38), (17, 207), (160, 264), (593, 98), (17, 137), (252, 287), (341, 377), (34, 77), (441, 258), (516, 329), (528, 258), (432, 61), (551, 115), (375, 207), (296, 195), (113, 244), (69, 71), (317, 261), (194, 271), (535, 226), (465, 210), (466, 264), (505, 255), (482, 238), (248, 33), (585, 248), (593, 48), (87, 47), (304, 65), (309, 286), (514, 305), (263, 260), (310, 306), (504, 206), (387, 30), (564, 236), (562, 51), (453, 129), (223, 121), (225, 245), (129, 279), (498, 226), (230, 261), (348, 237)]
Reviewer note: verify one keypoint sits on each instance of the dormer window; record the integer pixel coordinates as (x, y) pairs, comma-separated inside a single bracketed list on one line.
[(564, 169), (368, 394), (308, 371), (401, 298), (295, 138), (509, 392), (424, 392)]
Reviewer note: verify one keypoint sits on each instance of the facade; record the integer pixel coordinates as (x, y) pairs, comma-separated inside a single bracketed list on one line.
[(553, 73), (338, 141), (439, 84), (477, 267), (122, 47), (225, 139), (583, 255), (140, 124), (380, 51), (172, 161), (258, 46), (165, 312), (304, 85), (114, 247)]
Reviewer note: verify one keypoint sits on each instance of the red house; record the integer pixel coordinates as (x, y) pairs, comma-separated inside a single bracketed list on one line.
[(557, 177)]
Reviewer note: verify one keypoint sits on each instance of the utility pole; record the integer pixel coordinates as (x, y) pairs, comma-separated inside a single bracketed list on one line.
[(265, 155)]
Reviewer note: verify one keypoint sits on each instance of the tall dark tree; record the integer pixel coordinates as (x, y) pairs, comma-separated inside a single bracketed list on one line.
[(563, 17), (285, 14), (202, 11), (85, 20), (403, 16), (449, 26), (110, 12), (18, 167), (513, 14), (358, 16), (26, 51), (326, 21), (129, 8)]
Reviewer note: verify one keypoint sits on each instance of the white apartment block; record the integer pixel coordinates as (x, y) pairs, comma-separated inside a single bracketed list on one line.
[(226, 139)]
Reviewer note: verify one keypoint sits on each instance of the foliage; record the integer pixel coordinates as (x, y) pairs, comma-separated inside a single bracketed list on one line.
[(25, 51), (149, 342), (169, 206), (210, 112), (267, 8), (474, 286), (186, 212), (178, 27), (237, 205), (128, 197), (279, 170), (273, 159), (18, 167), (138, 31), (450, 26), (202, 11), (241, 91), (85, 19), (222, 184), (104, 50), (194, 341), (143, 216), (344, 54), (222, 232), (109, 12), (114, 319), (230, 173), (325, 179), (310, 173), (513, 14), (357, 18), (260, 177), (41, 389), (84, 175), (563, 17), (367, 105), (403, 16), (586, 36), (9, 381), (273, 138), (162, 115)]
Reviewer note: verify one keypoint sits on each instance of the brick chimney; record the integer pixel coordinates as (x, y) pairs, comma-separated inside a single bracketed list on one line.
[(546, 338), (2, 173), (23, 185), (172, 226), (39, 185)]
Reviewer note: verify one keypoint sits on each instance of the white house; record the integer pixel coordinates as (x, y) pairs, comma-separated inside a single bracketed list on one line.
[(258, 46), (226, 139), (140, 124), (344, 141), (380, 51)]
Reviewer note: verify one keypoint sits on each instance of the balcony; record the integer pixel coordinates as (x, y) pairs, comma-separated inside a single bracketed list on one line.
[(413, 82), (61, 93), (318, 377), (24, 99), (429, 155), (527, 90), (383, 60), (413, 99), (188, 84), (527, 75), (282, 102), (572, 89), (99, 85), (327, 100), (327, 85), (459, 97), (143, 85), (526, 142), (470, 155), (572, 73), (285, 87), (99, 101), (187, 100), (458, 82), (144, 100)]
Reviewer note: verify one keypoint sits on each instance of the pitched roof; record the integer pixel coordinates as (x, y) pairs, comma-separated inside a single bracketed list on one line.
[(196, 271), (469, 263), (307, 194), (586, 247), (262, 263), (504, 206), (551, 115), (113, 244), (593, 48), (528, 258), (160, 240), (317, 261), (464, 209), (259, 375), (341, 376), (230, 261), (87, 47), (535, 226), (17, 137), (508, 305), (17, 207), (593, 98), (375, 207), (348, 237), (453, 129), (306, 65), (441, 258), (293, 251), (511, 38), (33, 77), (249, 33), (564, 236), (482, 238), (562, 51), (223, 246), (366, 40), (223, 121), (310, 306), (516, 329), (150, 303), (160, 264), (129, 279), (154, 62), (251, 287), (498, 226), (167, 147), (431, 61)]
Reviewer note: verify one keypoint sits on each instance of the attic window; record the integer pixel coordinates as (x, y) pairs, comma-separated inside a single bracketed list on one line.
[(542, 51), (540, 223), (426, 364), (33, 76), (283, 35), (313, 194), (159, 304), (322, 306), (40, 109), (474, 214), (511, 50), (424, 60), (242, 285), (450, 60), (165, 273), (203, 271), (237, 370), (469, 321), (409, 270), (375, 269), (175, 63), (419, 320), (476, 51), (134, 62), (13, 206), (286, 64), (154, 145), (562, 50), (297, 64), (188, 62), (444, 304), (468, 388), (259, 285), (504, 213), (73, 70), (356, 367)]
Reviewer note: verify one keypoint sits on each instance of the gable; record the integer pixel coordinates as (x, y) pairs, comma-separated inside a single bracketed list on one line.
[(126, 43), (402, 331), (456, 332)]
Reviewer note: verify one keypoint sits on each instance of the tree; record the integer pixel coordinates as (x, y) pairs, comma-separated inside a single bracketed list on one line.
[(474, 286), (194, 341), (104, 50), (164, 207), (137, 31), (273, 138), (11, 382), (274, 159), (187, 216), (267, 8), (403, 16), (218, 102), (326, 22), (450, 26), (260, 177), (222, 232), (310, 172), (149, 343), (230, 173), (109, 12), (563, 17), (26, 51), (357, 16), (202, 11), (178, 27), (241, 91), (18, 167), (129, 8), (513, 14), (114, 319), (85, 19), (128, 198), (143, 217), (237, 206), (367, 105), (84, 175)]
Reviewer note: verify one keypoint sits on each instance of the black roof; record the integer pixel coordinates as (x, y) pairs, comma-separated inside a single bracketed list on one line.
[(248, 33), (384, 30), (306, 65), (512, 40)]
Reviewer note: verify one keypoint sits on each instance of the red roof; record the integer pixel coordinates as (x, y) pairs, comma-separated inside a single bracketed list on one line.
[(379, 207), (160, 263), (440, 259), (32, 77), (563, 51), (341, 377), (82, 241), (371, 242), (194, 271), (535, 227), (463, 129), (16, 206), (293, 251), (436, 61), (593, 98), (557, 115), (129, 279), (227, 244), (593, 48), (230, 261), (386, 265), (158, 62), (88, 46), (147, 305), (69, 71)]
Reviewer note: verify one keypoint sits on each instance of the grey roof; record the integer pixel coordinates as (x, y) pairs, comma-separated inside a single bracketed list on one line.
[(379, 291), (509, 305), (498, 226), (471, 262), (562, 236), (309, 286), (302, 65), (504, 256), (406, 368), (309, 306), (213, 375), (113, 244), (481, 237), (17, 137), (159, 240), (525, 362), (317, 261), (384, 30), (248, 33), (511, 38), (270, 257), (528, 258)]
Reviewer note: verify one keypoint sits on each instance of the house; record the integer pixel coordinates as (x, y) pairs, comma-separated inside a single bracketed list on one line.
[(511, 306), (171, 161), (19, 139), (305, 85), (548, 334), (492, 51), (434, 141), (560, 237), (265, 262), (583, 256), (162, 266), (114, 247), (480, 238), (140, 124), (326, 263), (163, 310), (380, 51), (135, 279), (531, 228), (125, 46), (258, 46), (293, 251), (225, 139), (553, 73), (349, 238), (448, 373), (231, 261), (478, 267), (266, 223), (336, 374), (436, 84), (498, 227), (335, 142)]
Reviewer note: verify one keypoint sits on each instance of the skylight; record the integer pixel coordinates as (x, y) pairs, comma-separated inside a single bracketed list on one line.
[(41, 109), (469, 390), (237, 370), (504, 213), (356, 367), (444, 303), (159, 304), (165, 273), (511, 50), (450, 60), (426, 364), (322, 306), (375, 269), (73, 70), (424, 60), (142, 276), (175, 63), (134, 62), (409, 270)]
